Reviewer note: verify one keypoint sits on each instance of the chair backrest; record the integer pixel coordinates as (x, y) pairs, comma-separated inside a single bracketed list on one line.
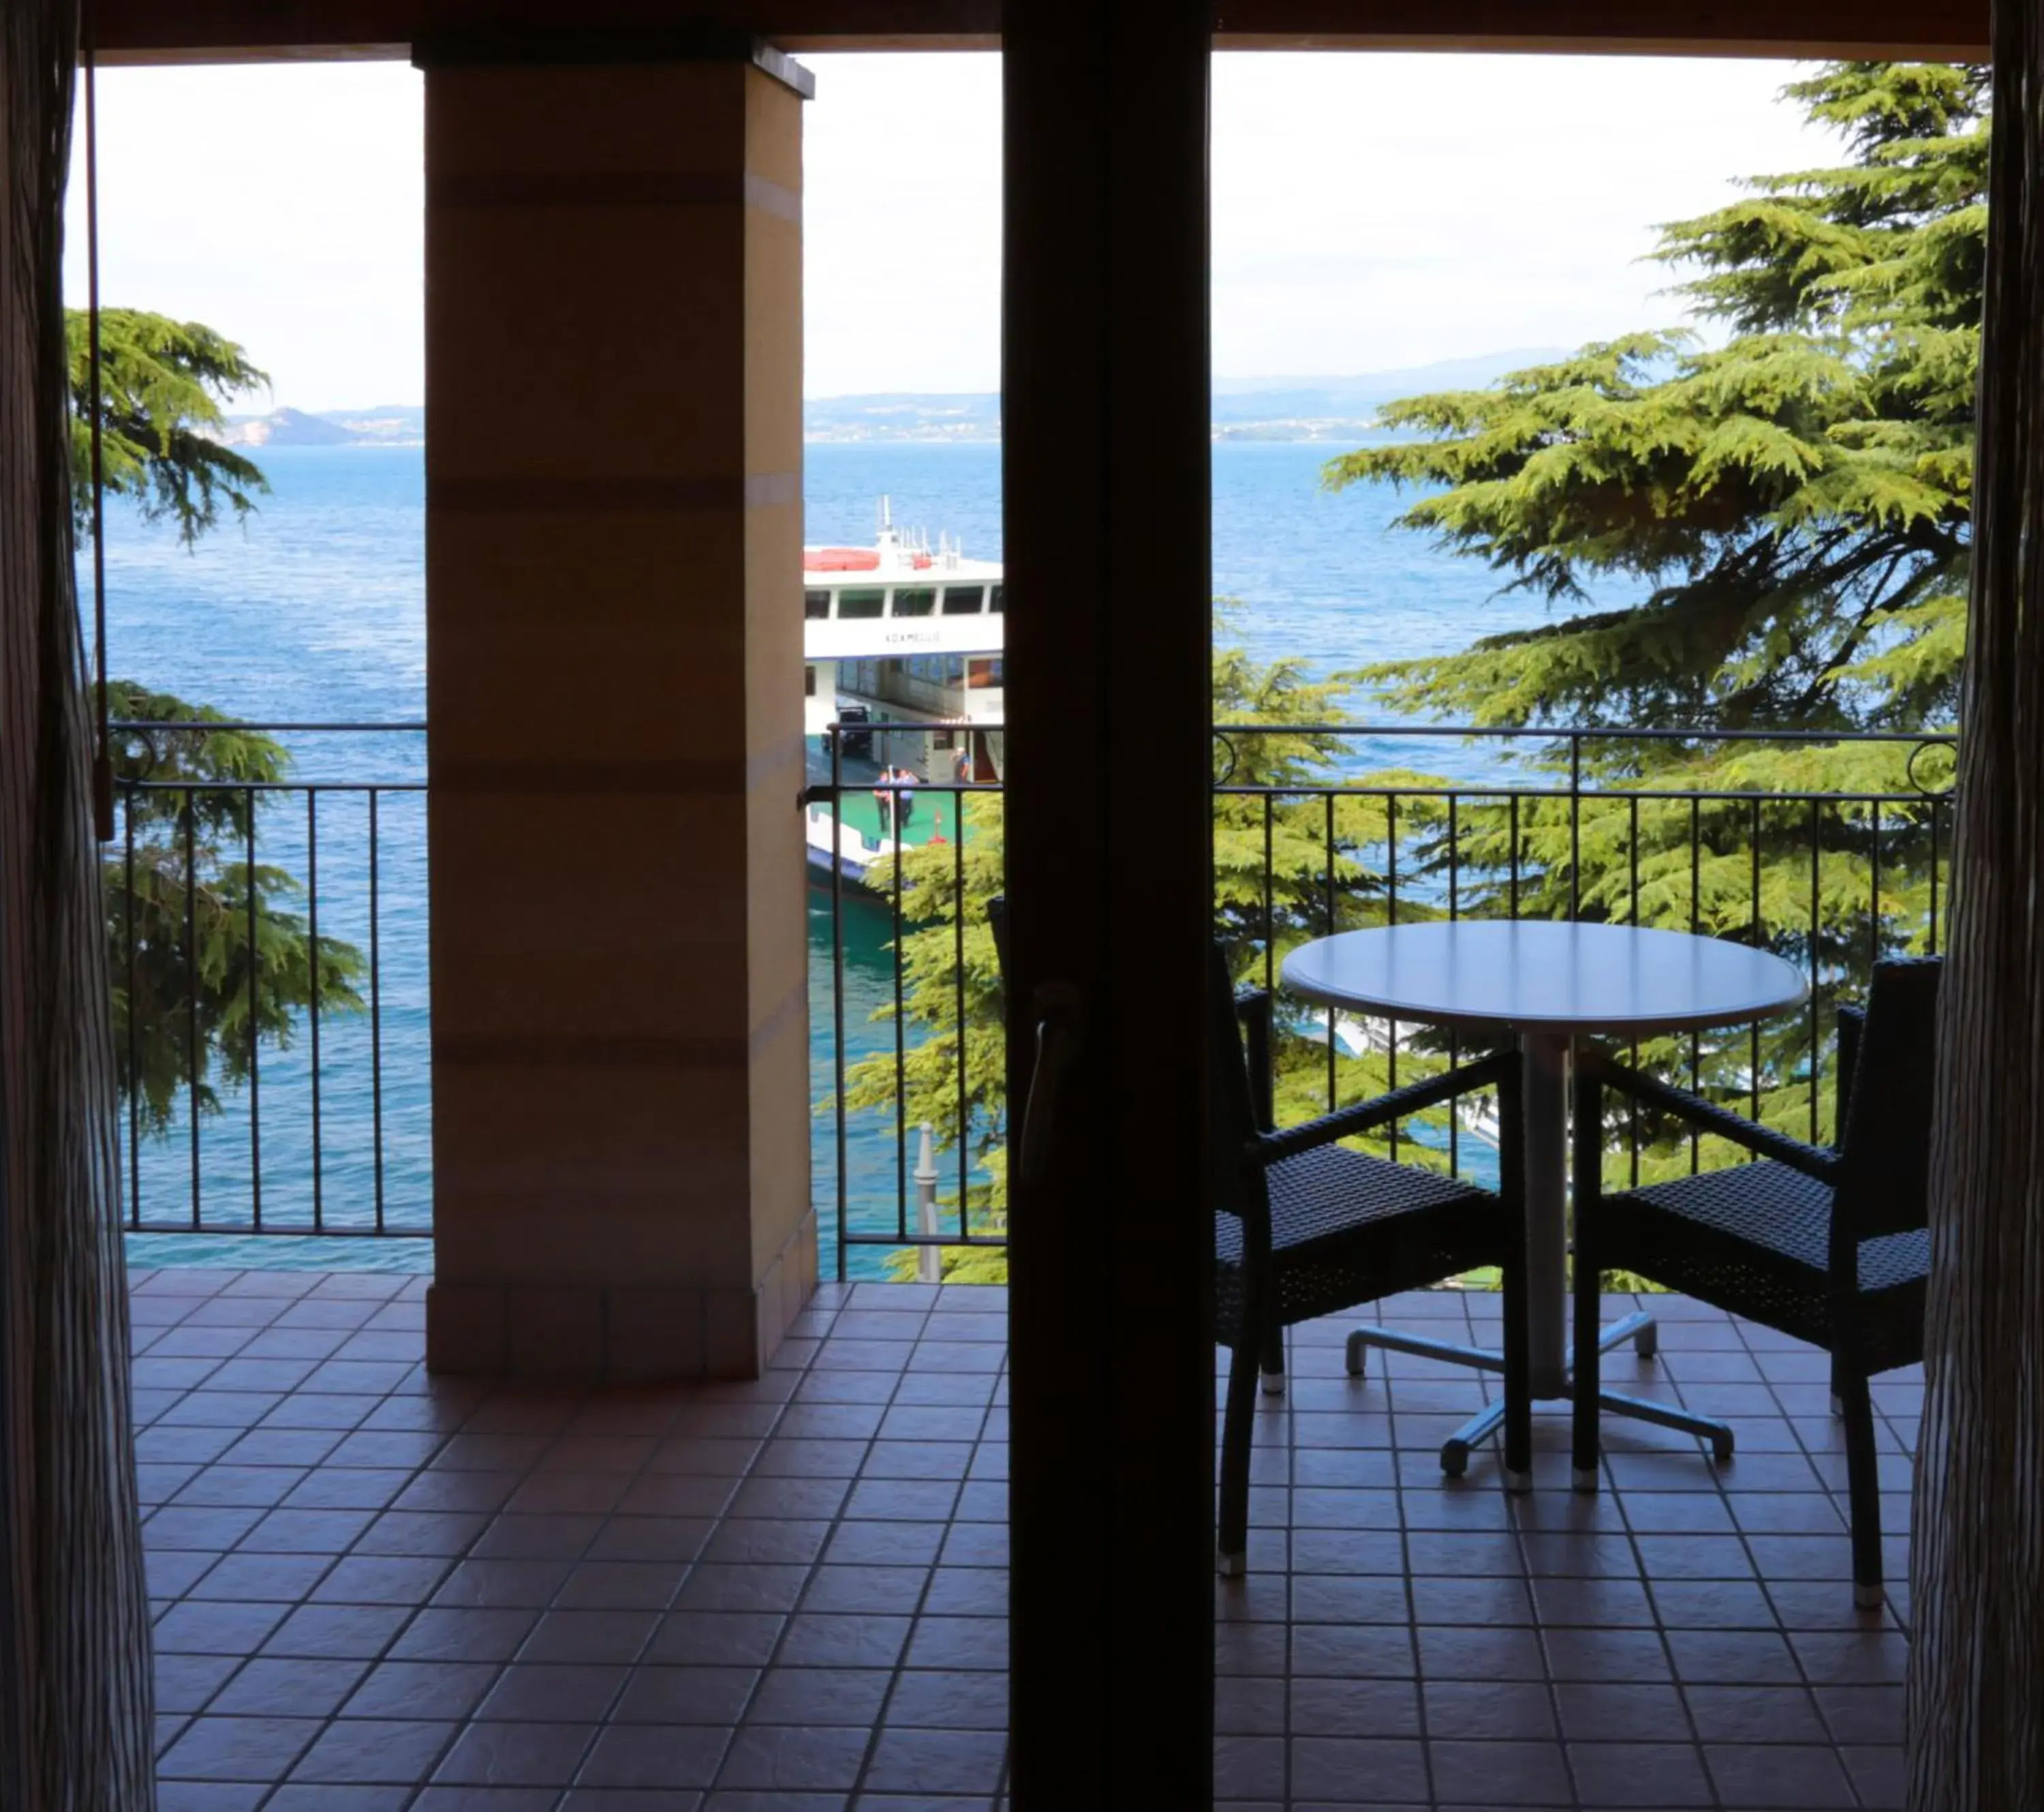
[(1232, 1122), (1232, 1116), (1884, 1138), (997, 922)]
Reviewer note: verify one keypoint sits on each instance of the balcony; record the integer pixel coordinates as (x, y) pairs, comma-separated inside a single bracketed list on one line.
[(376, 1589)]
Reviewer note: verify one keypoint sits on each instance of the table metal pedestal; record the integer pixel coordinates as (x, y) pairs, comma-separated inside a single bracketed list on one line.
[(1546, 1105)]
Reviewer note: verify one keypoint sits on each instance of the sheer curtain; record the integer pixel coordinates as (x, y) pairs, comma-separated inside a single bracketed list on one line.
[(75, 1669), (1976, 1663)]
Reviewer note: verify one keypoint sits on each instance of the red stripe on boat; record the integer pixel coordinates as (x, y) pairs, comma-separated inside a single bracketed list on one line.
[(840, 559)]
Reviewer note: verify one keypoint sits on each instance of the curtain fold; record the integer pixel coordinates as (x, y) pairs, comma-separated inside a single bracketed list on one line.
[(1976, 1574), (75, 1698)]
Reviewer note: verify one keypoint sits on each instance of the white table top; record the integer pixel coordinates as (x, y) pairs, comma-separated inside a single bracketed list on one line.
[(1543, 976)]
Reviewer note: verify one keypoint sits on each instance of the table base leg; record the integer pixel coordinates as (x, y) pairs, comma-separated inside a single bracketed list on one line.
[(1661, 1415), (1638, 1328), (1479, 1428), (1418, 1345)]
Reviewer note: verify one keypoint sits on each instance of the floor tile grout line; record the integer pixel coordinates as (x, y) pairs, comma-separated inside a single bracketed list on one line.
[(900, 1664), (450, 1563), (1696, 1742), (834, 1523), (566, 1425), (716, 1522), (1795, 1654), (299, 1755)]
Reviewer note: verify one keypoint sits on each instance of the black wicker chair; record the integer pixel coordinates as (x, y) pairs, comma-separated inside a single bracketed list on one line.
[(1306, 1227), (1826, 1245)]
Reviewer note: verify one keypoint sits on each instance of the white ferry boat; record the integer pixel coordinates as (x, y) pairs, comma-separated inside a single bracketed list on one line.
[(901, 648)]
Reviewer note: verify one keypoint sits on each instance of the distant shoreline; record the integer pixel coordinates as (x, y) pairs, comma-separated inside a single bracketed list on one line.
[(1309, 411), (1232, 433)]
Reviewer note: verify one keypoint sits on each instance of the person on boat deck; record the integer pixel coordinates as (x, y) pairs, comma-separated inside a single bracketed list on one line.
[(905, 798), (884, 800), (962, 767)]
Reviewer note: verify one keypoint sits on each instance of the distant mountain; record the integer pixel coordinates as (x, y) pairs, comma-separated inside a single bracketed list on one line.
[(904, 414), (388, 425), (1244, 409), (1375, 387), (1344, 409), (1282, 407)]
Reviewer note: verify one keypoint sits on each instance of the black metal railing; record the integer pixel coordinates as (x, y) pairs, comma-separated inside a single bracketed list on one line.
[(1319, 829), (268, 960), (268, 946)]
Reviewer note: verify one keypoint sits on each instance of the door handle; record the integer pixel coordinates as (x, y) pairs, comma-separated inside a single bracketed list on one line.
[(1059, 1040)]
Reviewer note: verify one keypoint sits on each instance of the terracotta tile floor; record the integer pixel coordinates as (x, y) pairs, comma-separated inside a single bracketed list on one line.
[(378, 1591)]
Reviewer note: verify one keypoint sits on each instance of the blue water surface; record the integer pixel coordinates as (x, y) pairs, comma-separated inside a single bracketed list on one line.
[(314, 610)]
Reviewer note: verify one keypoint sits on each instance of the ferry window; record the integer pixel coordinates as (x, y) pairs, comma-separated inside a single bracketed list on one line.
[(984, 673), (815, 605), (995, 603), (860, 603), (918, 601), (961, 601), (809, 682)]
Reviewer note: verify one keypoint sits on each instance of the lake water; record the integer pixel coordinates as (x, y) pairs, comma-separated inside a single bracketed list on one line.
[(315, 611)]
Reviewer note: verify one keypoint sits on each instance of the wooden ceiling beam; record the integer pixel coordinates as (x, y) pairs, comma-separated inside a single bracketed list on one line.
[(210, 30)]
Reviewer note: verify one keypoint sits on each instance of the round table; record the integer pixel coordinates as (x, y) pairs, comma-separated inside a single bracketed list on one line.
[(1549, 984)]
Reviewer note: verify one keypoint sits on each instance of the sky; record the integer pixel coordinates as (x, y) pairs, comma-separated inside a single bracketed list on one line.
[(1370, 211)]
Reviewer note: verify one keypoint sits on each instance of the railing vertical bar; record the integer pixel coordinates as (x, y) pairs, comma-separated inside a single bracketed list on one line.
[(1632, 1106), (1328, 801), (1759, 943), (1454, 857), (312, 1011), (1873, 893), (1575, 827), (1937, 822), (1269, 896), (1695, 930), (837, 991), (958, 959), (1454, 1037), (191, 992), (134, 1017), (375, 1008), (1816, 970), (1513, 811), (1270, 944), (1391, 909), (900, 1025), (255, 1024)]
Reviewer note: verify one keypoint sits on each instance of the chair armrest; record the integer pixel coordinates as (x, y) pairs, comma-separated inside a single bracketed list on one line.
[(1344, 1123), (1707, 1116)]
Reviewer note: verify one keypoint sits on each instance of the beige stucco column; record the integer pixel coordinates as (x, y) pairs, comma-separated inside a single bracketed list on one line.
[(613, 568)]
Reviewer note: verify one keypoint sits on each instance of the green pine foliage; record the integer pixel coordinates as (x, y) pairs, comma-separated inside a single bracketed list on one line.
[(209, 958), (1792, 507), (162, 384), (203, 975)]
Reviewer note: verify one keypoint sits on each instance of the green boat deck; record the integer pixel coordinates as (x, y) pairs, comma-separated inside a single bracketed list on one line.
[(935, 815)]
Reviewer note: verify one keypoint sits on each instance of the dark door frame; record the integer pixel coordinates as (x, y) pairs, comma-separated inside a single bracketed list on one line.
[(1105, 383)]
